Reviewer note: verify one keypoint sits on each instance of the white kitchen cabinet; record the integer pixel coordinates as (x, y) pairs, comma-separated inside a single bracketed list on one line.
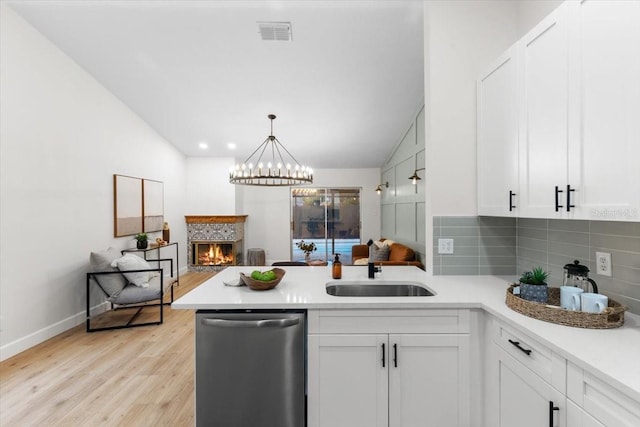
[(598, 403), (577, 99), (543, 114), (525, 399), (352, 383), (498, 138), (360, 378), (524, 381), (604, 138), (428, 380)]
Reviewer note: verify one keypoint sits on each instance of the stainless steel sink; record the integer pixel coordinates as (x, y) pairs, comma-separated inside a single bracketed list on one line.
[(377, 289)]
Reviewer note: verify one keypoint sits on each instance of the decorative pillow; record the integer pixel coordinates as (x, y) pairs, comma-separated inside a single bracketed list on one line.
[(101, 261), (383, 242), (401, 253), (133, 262), (381, 254)]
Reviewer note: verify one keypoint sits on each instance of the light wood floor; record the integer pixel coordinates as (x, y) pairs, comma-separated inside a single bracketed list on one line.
[(128, 377)]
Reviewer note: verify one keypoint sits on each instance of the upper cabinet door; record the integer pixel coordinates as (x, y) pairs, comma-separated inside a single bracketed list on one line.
[(498, 138), (604, 156), (543, 112)]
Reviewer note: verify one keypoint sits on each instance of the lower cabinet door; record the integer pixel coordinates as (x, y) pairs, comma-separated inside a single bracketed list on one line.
[(525, 399), (429, 380), (348, 381), (396, 380)]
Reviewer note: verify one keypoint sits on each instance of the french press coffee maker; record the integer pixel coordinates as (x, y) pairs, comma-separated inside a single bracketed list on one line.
[(578, 275)]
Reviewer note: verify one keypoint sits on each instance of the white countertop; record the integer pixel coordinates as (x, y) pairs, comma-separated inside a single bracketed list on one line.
[(611, 354)]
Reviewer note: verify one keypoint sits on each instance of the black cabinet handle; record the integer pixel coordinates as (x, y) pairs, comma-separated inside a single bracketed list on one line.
[(552, 408), (524, 350), (395, 355), (511, 205), (383, 356), (558, 205), (569, 191)]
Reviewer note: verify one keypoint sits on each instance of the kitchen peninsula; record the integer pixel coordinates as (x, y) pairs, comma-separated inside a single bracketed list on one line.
[(591, 376)]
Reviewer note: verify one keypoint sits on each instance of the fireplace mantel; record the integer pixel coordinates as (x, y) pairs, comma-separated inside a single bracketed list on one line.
[(215, 219)]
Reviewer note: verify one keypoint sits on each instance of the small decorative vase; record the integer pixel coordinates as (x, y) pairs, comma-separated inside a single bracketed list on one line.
[(142, 244), (165, 232), (307, 257), (535, 293)]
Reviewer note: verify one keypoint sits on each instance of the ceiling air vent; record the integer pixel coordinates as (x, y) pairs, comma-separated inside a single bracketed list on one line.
[(275, 31)]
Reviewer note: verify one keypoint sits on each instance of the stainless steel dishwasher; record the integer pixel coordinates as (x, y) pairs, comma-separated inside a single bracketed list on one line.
[(250, 368)]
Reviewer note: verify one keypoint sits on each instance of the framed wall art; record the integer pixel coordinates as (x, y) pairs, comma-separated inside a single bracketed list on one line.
[(128, 208), (153, 206)]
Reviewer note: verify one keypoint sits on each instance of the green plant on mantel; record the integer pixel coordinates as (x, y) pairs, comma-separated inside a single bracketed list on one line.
[(537, 276), (141, 237)]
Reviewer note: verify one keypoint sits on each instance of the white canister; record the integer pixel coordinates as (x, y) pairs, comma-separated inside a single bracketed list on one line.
[(594, 303), (570, 298)]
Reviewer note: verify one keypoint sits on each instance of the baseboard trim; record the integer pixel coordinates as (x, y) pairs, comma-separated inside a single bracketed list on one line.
[(40, 336)]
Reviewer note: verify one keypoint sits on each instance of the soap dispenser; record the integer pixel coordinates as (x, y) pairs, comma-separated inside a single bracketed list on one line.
[(336, 269)]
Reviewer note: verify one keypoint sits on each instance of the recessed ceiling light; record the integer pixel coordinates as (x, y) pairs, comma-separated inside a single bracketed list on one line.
[(231, 145), (203, 145)]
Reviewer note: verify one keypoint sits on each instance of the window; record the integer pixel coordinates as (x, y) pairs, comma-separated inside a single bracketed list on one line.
[(328, 217)]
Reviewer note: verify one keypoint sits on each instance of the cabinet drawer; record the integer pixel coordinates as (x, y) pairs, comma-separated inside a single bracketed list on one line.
[(436, 321), (534, 355), (600, 400)]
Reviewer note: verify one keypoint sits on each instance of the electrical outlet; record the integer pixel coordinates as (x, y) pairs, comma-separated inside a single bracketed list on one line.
[(603, 263), (445, 246)]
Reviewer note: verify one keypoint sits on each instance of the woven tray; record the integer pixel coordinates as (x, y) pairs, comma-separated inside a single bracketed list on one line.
[(611, 317)]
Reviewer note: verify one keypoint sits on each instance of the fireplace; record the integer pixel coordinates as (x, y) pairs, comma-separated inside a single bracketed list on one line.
[(215, 241), (213, 253)]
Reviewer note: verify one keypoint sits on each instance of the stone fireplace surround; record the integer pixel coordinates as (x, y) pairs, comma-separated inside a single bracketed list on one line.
[(219, 231)]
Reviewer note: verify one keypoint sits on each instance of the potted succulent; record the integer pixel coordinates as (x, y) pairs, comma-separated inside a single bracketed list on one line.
[(143, 240), (533, 285), (307, 248)]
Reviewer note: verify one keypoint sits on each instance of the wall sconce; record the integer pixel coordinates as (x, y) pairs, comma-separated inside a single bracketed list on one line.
[(415, 178), (379, 188)]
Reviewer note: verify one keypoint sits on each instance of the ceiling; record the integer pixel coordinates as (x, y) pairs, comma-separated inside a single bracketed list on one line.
[(344, 90)]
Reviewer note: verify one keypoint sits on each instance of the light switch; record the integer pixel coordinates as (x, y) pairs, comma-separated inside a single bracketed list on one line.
[(445, 246)]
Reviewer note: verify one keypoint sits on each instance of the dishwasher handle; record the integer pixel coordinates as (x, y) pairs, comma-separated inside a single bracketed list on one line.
[(263, 323)]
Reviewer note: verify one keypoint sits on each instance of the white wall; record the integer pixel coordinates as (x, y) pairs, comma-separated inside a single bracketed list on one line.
[(530, 12), (208, 189), (461, 38), (62, 137), (403, 204), (268, 223)]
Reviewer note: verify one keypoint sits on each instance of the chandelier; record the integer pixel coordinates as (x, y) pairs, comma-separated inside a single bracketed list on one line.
[(279, 168)]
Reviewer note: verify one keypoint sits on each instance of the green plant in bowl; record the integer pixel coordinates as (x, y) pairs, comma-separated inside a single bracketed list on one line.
[(533, 285), (537, 276)]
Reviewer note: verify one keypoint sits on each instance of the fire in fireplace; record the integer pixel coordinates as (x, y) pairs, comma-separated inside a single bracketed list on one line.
[(213, 254)]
